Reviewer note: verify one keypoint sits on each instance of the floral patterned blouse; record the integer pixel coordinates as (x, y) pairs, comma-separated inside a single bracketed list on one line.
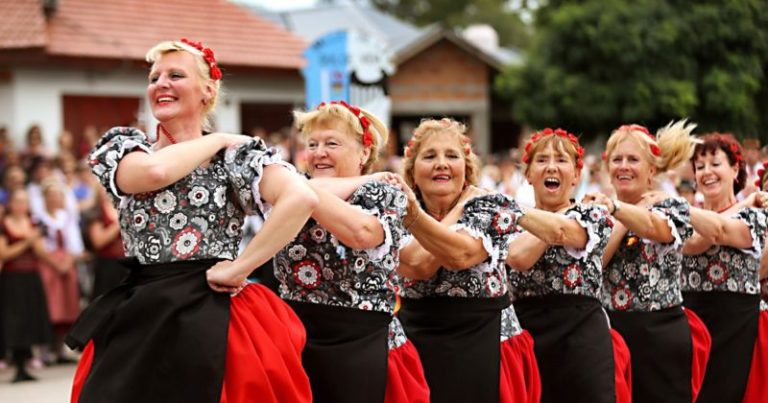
[(199, 216), (563, 270), (491, 218), (315, 267), (723, 268), (644, 275)]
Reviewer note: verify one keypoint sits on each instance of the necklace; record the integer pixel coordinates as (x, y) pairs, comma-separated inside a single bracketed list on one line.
[(439, 217), (726, 208), (168, 135)]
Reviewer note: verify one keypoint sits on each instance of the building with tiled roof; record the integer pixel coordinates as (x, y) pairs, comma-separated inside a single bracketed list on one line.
[(72, 63)]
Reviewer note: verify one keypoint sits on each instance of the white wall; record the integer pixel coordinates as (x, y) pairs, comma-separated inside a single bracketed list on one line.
[(34, 95)]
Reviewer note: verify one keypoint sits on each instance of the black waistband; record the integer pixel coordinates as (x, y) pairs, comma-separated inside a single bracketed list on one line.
[(102, 307), (556, 301), (451, 304), (722, 300)]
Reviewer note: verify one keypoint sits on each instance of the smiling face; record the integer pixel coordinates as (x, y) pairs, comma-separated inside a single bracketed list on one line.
[(439, 168), (715, 174), (553, 174), (630, 171), (333, 152), (176, 90), (18, 203)]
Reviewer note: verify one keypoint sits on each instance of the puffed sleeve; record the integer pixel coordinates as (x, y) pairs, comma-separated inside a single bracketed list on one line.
[(387, 203), (244, 165), (756, 221), (492, 219), (677, 212), (110, 150), (598, 224)]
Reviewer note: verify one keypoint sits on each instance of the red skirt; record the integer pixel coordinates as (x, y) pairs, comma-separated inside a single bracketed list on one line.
[(622, 368), (757, 385), (520, 381), (405, 376), (263, 357), (701, 342), (62, 291)]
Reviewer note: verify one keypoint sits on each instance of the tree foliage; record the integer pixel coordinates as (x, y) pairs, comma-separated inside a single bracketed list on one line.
[(595, 64), (461, 13)]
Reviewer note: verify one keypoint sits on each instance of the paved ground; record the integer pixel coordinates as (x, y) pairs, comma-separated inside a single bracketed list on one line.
[(53, 386)]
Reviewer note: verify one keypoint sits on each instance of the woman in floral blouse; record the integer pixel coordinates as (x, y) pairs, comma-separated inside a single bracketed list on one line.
[(720, 278), (455, 305), (641, 280), (557, 293), (339, 273), (762, 184), (184, 326)]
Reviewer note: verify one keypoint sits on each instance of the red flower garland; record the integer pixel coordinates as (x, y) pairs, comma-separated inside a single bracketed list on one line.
[(560, 133), (364, 121), (655, 150), (208, 56)]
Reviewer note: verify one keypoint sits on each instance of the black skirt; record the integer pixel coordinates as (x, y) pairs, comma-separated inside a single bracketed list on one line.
[(662, 352), (161, 336), (108, 273), (346, 352), (732, 320), (573, 347), (458, 340), (24, 320)]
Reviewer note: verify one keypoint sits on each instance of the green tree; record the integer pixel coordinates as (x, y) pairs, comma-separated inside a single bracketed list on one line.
[(595, 64), (499, 14)]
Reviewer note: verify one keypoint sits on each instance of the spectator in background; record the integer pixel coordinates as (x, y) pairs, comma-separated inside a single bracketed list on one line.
[(66, 142), (87, 141), (687, 190), (14, 178), (103, 233), (64, 243), (751, 164)]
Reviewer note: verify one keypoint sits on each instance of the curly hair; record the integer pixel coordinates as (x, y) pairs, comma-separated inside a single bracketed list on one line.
[(335, 114), (725, 142), (426, 129)]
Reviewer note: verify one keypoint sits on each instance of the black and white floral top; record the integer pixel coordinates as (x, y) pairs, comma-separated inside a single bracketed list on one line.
[(563, 270), (199, 216), (315, 267), (723, 268), (644, 275), (510, 325), (491, 218)]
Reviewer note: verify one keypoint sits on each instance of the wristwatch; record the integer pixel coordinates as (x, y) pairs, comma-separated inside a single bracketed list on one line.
[(616, 206)]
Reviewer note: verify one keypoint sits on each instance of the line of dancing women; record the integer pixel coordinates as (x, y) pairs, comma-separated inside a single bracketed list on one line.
[(414, 288)]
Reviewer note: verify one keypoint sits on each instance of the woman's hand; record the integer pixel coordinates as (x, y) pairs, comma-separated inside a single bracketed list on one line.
[(653, 197), (600, 199), (226, 276), (387, 177)]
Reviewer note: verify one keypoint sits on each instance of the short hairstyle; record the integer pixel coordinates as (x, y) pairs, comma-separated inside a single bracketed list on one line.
[(712, 142)]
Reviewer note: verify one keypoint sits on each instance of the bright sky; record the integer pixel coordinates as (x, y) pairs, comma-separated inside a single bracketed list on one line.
[(280, 5)]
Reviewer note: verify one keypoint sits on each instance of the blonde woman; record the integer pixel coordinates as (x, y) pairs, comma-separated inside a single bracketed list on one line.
[(185, 326), (455, 302), (669, 345), (339, 274)]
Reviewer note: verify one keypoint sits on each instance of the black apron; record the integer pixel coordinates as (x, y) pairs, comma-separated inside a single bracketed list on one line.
[(160, 336)]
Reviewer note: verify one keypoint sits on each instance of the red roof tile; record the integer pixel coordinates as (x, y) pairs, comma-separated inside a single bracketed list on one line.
[(23, 24), (126, 29)]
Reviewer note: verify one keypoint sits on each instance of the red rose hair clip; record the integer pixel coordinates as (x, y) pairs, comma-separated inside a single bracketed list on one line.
[(560, 133), (736, 152), (364, 121), (208, 56), (655, 150), (761, 177)]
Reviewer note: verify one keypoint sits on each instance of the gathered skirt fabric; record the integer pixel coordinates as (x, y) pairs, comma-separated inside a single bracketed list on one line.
[(519, 375), (757, 384), (573, 345), (165, 336), (405, 376), (458, 340), (24, 319), (623, 368), (732, 321), (669, 351)]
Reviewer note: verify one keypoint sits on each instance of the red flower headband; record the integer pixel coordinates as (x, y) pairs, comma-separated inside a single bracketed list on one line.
[(560, 133), (445, 123), (655, 150), (364, 121), (207, 56)]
